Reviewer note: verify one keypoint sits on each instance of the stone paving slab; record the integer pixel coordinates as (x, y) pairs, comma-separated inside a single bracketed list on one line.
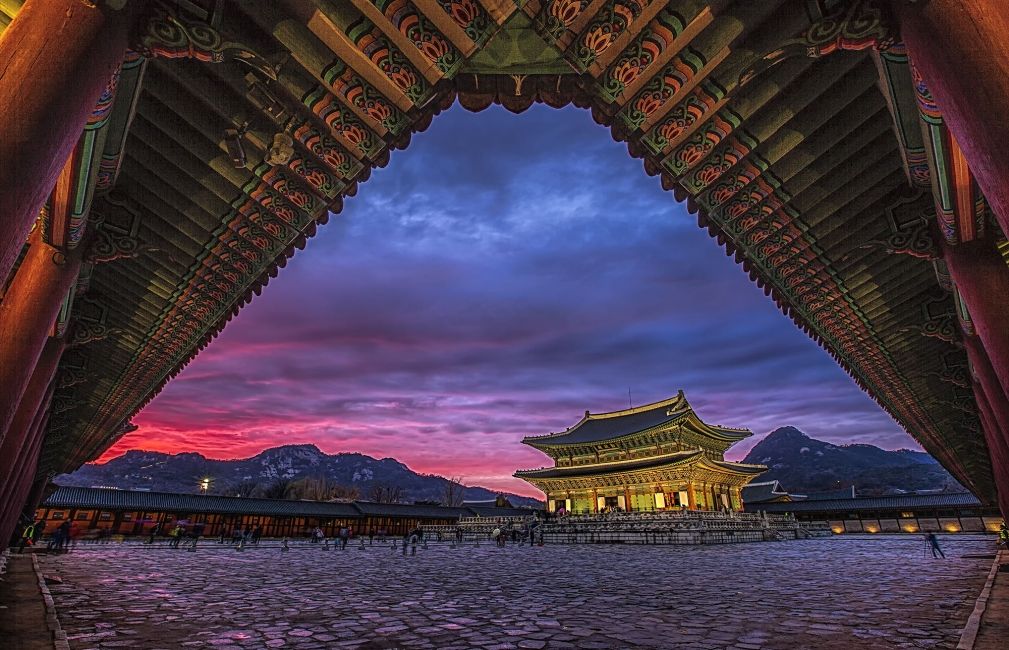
[(844, 592)]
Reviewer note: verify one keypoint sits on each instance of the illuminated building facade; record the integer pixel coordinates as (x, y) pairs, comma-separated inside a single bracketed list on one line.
[(659, 456)]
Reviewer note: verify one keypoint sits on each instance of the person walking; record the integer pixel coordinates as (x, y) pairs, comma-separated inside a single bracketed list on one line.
[(61, 536), (344, 537), (257, 532), (933, 543), (28, 536), (176, 535), (154, 532)]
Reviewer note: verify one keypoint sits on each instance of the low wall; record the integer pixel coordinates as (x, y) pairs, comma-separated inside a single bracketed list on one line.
[(916, 525), (669, 537)]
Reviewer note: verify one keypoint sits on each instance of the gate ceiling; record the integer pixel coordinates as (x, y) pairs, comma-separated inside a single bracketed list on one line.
[(795, 130)]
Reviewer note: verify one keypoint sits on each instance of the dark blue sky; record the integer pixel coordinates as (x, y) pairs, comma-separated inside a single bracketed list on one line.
[(498, 278)]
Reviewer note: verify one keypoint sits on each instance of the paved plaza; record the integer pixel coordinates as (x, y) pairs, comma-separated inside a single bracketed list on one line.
[(844, 592)]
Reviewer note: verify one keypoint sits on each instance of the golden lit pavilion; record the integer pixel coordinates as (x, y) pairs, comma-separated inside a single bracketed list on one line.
[(659, 456)]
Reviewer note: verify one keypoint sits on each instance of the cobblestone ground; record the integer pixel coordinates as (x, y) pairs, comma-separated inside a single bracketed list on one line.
[(845, 592)]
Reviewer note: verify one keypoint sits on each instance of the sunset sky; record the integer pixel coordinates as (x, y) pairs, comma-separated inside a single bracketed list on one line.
[(498, 278)]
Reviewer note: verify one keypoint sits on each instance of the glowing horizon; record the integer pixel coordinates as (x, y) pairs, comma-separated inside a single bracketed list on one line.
[(464, 301)]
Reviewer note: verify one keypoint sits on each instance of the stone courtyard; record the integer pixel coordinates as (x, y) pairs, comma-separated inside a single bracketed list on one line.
[(839, 592)]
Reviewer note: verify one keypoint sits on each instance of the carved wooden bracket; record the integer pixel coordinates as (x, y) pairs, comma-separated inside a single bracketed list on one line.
[(856, 25), (85, 332), (956, 375), (167, 36), (943, 328), (913, 239)]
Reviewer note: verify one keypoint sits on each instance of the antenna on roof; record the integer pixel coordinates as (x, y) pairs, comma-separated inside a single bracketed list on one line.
[(629, 404)]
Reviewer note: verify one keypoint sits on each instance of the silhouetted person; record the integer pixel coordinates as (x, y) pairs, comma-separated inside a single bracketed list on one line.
[(933, 543)]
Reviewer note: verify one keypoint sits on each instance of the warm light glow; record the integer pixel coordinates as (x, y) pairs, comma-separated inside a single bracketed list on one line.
[(837, 530), (504, 339), (871, 529)]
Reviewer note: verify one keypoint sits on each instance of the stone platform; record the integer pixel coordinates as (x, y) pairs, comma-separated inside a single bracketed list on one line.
[(677, 528), (840, 592)]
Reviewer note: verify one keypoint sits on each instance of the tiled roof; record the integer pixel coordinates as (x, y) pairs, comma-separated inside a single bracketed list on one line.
[(760, 492), (898, 502), (609, 468), (138, 500), (491, 511), (843, 493), (107, 499), (411, 510)]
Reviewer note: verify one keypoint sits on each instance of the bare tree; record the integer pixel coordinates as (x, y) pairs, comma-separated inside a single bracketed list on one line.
[(315, 489), (385, 493), (277, 490), (245, 488), (453, 491), (344, 493)]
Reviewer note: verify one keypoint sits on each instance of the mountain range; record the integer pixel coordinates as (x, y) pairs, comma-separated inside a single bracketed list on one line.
[(289, 471), (800, 463), (803, 465)]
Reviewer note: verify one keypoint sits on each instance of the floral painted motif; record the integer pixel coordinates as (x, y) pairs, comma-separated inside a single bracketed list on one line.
[(699, 145), (647, 48), (388, 59), (343, 122), (720, 162), (328, 150), (361, 95), (471, 16), (662, 88), (415, 26), (611, 22), (558, 15)]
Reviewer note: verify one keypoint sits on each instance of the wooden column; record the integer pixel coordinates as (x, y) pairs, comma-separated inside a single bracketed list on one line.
[(58, 56), (691, 503), (25, 487), (994, 405), (989, 383), (27, 314), (994, 434), (24, 465), (982, 278), (20, 430), (961, 49)]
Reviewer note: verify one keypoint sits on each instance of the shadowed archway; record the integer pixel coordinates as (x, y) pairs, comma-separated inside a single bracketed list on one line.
[(795, 141)]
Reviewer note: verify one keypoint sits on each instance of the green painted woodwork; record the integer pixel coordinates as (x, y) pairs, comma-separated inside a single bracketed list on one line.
[(517, 49)]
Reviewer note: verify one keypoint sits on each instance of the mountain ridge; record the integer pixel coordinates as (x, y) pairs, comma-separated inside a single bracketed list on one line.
[(803, 464), (276, 472)]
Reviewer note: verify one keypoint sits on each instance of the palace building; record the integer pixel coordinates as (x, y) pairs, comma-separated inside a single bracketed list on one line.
[(659, 456)]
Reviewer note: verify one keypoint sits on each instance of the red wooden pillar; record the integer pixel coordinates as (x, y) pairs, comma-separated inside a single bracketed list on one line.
[(28, 410), (27, 314), (24, 488), (997, 450), (25, 465), (993, 404), (58, 57), (968, 76), (982, 278)]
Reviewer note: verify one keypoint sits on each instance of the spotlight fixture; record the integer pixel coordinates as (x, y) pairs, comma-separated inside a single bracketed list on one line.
[(233, 141), (265, 100), (281, 151)]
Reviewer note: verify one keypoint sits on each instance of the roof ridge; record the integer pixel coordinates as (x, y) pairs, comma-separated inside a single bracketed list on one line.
[(678, 397), (686, 453)]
